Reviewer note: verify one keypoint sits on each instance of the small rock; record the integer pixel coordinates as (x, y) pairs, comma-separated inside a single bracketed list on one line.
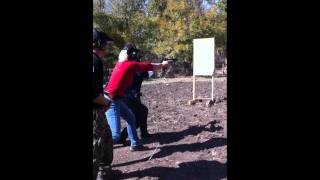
[(209, 103), (213, 153)]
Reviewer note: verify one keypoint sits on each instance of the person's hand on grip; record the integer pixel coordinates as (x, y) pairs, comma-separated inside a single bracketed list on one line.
[(166, 63)]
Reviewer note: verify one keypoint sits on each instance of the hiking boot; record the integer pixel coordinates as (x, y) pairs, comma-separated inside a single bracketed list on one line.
[(137, 148)]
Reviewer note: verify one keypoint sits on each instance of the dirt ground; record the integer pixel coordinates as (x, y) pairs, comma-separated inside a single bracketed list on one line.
[(188, 142)]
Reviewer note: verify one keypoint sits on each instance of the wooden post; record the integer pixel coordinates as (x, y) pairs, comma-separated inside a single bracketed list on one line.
[(212, 87), (194, 87)]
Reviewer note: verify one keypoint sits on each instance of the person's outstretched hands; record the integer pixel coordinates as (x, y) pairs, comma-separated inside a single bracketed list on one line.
[(166, 63)]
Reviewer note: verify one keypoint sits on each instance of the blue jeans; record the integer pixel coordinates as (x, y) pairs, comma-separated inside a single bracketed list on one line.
[(119, 108)]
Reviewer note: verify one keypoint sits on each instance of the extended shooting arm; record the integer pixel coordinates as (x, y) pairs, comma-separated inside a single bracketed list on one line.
[(170, 59)]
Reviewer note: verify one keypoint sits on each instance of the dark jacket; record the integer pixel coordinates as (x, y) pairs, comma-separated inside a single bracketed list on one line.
[(133, 93)]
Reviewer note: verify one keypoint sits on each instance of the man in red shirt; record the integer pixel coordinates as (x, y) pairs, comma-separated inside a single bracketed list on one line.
[(121, 79)]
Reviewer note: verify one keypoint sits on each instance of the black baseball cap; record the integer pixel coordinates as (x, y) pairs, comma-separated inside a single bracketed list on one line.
[(100, 38)]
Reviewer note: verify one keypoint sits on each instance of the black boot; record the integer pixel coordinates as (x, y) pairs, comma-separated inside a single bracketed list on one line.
[(104, 173), (123, 137), (144, 130)]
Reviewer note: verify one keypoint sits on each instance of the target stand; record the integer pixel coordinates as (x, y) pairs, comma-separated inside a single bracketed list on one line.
[(203, 65)]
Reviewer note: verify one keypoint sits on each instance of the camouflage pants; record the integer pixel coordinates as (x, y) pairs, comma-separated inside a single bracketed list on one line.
[(102, 144)]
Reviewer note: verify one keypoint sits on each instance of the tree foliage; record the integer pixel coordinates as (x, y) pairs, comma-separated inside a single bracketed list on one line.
[(162, 27)]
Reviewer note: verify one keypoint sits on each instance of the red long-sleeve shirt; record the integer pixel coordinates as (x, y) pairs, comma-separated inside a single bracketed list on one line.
[(122, 76)]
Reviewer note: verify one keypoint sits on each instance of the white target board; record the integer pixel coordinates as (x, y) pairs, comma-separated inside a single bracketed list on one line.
[(203, 56)]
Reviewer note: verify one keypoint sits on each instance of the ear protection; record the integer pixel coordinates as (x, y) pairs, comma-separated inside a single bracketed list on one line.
[(132, 51)]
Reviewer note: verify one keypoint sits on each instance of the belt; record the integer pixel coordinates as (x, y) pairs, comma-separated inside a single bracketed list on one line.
[(107, 95)]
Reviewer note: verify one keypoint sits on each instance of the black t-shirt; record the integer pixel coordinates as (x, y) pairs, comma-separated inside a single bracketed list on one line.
[(97, 76)]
